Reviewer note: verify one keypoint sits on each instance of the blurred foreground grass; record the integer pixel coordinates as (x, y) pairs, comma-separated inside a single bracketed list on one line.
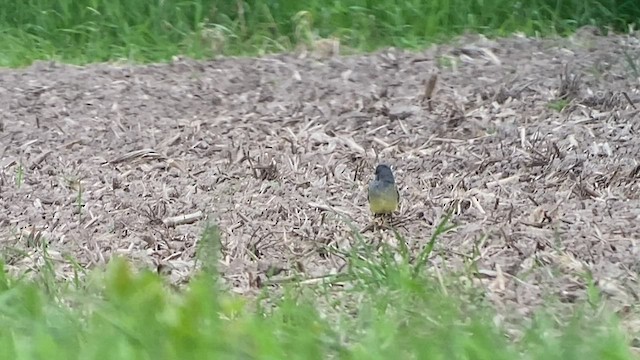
[(81, 31), (391, 309)]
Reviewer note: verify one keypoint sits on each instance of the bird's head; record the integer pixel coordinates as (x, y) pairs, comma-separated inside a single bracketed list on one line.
[(384, 173)]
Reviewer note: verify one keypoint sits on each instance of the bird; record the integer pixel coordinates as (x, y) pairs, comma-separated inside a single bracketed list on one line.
[(383, 195)]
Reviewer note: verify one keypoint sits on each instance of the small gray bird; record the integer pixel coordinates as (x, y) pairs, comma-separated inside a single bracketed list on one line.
[(383, 193)]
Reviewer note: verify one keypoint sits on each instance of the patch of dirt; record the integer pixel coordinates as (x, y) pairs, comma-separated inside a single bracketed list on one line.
[(532, 143)]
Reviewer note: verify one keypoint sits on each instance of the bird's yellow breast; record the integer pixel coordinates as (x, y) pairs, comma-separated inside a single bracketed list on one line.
[(383, 201)]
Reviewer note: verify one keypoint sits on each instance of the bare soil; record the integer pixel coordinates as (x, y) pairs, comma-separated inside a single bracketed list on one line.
[(277, 151)]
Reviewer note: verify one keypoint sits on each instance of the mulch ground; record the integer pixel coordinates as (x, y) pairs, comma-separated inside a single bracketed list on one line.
[(531, 143)]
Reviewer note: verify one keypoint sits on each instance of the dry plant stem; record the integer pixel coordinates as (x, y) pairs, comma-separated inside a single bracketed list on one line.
[(182, 219)]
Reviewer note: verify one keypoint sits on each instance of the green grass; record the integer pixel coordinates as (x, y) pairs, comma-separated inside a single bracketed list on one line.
[(81, 31), (392, 309), (558, 105)]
